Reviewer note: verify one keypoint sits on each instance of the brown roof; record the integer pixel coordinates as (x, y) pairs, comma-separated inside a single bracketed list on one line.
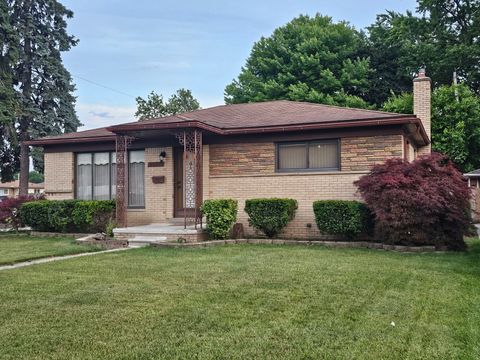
[(280, 115), (15, 185)]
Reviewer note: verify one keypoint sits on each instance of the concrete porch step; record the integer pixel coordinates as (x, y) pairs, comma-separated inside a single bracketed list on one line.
[(147, 234)]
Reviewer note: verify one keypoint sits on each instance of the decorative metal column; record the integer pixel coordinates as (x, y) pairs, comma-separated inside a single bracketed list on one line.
[(192, 176), (121, 148)]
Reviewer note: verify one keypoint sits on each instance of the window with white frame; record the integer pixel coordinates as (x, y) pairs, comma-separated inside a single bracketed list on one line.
[(96, 176)]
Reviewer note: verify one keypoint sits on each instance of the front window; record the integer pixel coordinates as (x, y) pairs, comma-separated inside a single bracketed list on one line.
[(96, 177), (321, 155)]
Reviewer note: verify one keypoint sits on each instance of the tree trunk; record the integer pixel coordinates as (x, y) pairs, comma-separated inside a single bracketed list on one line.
[(24, 168), (25, 120)]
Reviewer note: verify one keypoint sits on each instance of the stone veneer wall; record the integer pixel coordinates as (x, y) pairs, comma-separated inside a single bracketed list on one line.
[(242, 159), (359, 154)]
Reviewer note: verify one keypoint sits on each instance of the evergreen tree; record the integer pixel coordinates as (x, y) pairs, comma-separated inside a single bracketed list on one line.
[(8, 53), (44, 86)]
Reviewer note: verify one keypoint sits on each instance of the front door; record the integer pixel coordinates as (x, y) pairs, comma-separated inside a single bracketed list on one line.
[(183, 185)]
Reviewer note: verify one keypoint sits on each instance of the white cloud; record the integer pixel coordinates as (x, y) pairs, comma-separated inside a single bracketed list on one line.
[(100, 115)]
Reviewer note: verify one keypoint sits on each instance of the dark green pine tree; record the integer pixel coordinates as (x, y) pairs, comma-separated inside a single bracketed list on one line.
[(8, 53), (44, 86)]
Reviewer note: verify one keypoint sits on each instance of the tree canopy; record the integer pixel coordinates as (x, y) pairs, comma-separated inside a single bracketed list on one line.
[(154, 105), (455, 122), (309, 59)]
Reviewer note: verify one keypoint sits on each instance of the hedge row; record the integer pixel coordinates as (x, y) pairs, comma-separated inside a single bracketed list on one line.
[(270, 216), (68, 215)]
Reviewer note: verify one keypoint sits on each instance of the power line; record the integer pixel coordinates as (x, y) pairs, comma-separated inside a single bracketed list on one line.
[(104, 86)]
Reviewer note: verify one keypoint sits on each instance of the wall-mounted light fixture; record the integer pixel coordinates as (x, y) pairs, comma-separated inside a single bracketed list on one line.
[(163, 156)]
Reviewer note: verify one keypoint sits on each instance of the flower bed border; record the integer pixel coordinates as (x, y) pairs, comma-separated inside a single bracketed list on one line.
[(335, 244)]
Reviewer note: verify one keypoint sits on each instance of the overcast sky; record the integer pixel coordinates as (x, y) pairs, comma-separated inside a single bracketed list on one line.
[(132, 47)]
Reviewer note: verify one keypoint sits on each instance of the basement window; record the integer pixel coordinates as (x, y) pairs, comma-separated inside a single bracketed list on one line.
[(319, 155)]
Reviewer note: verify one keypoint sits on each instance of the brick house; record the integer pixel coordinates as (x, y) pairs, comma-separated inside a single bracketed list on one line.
[(162, 169), (12, 189)]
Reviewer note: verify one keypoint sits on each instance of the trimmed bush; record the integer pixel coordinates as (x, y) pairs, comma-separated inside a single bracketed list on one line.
[(10, 209), (68, 215), (342, 217), (221, 214), (425, 202), (270, 215), (93, 216)]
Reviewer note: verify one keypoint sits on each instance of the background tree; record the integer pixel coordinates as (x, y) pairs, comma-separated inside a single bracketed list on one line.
[(45, 100), (456, 125), (445, 38), (308, 59), (36, 177), (154, 106), (8, 54), (455, 122)]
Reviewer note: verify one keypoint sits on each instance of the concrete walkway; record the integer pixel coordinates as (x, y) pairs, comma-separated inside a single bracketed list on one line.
[(55, 258)]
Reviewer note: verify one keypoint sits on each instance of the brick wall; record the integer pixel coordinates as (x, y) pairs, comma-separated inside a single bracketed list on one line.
[(252, 178), (241, 159), (422, 106), (158, 197), (304, 188), (59, 170), (361, 153)]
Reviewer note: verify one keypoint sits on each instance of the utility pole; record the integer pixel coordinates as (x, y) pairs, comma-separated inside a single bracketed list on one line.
[(455, 84)]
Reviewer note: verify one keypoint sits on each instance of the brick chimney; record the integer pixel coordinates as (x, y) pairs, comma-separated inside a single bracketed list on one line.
[(422, 105)]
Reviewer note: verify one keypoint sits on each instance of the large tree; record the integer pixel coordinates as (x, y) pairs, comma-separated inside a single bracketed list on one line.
[(455, 122), (445, 38), (154, 105), (308, 59), (8, 54), (44, 87)]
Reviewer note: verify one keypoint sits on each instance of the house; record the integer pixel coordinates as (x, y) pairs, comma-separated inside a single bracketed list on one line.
[(162, 169), (12, 189)]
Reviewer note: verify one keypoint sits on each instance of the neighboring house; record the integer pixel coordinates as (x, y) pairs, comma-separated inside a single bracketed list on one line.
[(162, 169), (12, 189)]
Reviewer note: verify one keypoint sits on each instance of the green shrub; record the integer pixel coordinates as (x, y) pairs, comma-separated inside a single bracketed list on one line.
[(221, 214), (109, 228), (341, 217), (93, 216), (68, 215), (270, 215)]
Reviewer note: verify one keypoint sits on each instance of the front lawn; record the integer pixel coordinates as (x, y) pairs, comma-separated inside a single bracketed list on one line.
[(19, 248), (244, 301)]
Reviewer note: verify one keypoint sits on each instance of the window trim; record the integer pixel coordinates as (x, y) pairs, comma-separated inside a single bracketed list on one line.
[(307, 144), (111, 154)]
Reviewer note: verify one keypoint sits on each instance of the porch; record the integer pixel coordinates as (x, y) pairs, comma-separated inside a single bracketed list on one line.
[(173, 183), (174, 231)]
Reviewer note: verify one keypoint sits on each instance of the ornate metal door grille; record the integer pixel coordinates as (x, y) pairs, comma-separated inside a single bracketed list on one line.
[(192, 176), (121, 148)]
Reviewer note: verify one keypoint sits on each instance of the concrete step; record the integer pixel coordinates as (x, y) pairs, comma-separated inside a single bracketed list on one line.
[(159, 232)]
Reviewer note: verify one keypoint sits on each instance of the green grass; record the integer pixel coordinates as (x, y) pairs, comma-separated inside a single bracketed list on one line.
[(14, 249), (244, 301)]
